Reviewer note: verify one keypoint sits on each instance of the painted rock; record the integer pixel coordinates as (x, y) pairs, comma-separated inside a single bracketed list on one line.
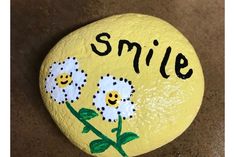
[(122, 86)]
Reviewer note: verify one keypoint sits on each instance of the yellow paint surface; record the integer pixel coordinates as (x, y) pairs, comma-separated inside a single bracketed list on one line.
[(164, 107)]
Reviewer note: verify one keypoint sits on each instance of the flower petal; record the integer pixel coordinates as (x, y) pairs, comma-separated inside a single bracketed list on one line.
[(57, 95), (99, 100), (106, 83), (72, 93), (126, 109), (121, 85), (70, 63), (55, 69), (124, 88), (110, 114), (50, 83), (79, 78)]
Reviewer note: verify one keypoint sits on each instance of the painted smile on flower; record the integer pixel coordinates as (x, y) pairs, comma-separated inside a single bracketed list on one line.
[(112, 102), (113, 98), (65, 80)]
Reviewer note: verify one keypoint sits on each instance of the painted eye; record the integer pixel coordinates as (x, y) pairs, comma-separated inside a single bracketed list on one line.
[(67, 76), (110, 95), (116, 96), (61, 76)]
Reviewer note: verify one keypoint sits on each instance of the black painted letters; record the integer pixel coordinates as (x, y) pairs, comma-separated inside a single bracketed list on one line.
[(164, 63), (179, 66), (98, 39), (130, 47), (180, 61)]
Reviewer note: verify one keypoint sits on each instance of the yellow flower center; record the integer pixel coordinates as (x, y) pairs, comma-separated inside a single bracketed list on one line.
[(112, 98), (63, 80)]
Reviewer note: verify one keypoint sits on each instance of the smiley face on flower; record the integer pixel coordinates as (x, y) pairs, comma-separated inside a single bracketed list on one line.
[(65, 80), (113, 98)]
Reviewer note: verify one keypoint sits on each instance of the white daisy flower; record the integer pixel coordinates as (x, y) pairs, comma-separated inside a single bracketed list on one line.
[(65, 80), (113, 98)]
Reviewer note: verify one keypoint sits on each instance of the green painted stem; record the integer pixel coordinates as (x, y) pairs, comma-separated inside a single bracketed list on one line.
[(97, 132), (119, 128)]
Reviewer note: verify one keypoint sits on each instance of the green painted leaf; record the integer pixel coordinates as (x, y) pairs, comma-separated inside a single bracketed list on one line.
[(87, 114), (127, 137), (86, 129), (99, 146), (114, 129)]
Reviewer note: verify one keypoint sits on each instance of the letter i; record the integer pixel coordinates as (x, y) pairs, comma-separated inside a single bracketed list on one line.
[(150, 53)]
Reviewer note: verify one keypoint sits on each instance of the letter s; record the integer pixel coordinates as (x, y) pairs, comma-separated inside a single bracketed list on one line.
[(98, 39)]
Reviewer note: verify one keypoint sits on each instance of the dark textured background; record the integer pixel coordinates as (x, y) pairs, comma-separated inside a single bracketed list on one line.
[(36, 25)]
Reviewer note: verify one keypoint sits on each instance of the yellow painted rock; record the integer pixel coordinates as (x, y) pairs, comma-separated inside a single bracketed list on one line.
[(122, 86)]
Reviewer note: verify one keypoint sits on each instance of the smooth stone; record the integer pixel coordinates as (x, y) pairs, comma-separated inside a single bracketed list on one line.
[(123, 85)]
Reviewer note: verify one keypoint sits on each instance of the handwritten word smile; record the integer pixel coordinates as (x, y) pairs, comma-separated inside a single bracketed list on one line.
[(180, 61)]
